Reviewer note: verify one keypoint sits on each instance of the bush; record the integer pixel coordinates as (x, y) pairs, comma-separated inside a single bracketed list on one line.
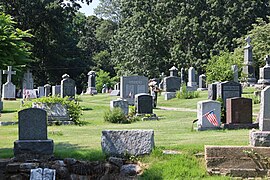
[(185, 94), (74, 109), (116, 115)]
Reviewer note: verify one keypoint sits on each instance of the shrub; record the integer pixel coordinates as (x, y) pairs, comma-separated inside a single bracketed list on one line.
[(185, 94), (116, 115), (74, 109)]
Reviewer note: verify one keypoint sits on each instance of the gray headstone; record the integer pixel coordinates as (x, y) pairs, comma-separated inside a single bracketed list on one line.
[(202, 82), (1, 102), (115, 93), (132, 85), (91, 89), (120, 103), (143, 103), (127, 142), (32, 124), (191, 77), (212, 91), (264, 120), (248, 68), (41, 91), (169, 95), (56, 90), (47, 90), (171, 84), (204, 107), (265, 72), (55, 111), (235, 73), (182, 75), (229, 89), (67, 87), (9, 89), (28, 82), (173, 71)]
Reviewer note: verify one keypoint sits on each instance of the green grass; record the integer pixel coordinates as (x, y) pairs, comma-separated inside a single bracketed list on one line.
[(172, 131)]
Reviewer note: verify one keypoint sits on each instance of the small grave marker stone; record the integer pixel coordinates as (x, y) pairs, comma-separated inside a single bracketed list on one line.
[(143, 103)]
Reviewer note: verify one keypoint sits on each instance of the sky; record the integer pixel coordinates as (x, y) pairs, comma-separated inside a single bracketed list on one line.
[(89, 10)]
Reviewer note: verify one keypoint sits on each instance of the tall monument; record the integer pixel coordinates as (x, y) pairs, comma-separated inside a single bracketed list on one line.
[(248, 68)]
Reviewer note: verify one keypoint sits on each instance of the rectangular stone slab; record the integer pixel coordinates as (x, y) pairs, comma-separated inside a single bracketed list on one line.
[(232, 157)]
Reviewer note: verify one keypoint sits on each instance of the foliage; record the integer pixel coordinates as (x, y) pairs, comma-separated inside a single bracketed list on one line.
[(153, 35), (260, 42), (223, 111), (185, 94), (108, 9), (219, 67), (14, 50), (74, 109), (103, 78), (255, 99), (116, 115)]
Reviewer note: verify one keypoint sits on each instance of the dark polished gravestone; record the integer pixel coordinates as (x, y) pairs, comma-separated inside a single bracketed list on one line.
[(212, 91), (33, 142), (143, 103), (228, 89), (239, 111)]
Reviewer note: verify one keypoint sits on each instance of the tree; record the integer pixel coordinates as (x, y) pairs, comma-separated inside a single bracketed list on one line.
[(109, 9), (14, 50)]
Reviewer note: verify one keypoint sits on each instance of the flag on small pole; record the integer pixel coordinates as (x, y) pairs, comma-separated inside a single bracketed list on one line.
[(211, 117)]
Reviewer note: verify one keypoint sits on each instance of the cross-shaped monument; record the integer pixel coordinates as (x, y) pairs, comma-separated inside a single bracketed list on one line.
[(9, 88), (9, 73)]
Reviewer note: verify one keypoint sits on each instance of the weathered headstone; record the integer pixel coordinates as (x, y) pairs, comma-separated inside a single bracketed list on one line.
[(248, 68), (42, 174), (120, 143), (9, 89), (213, 108), (56, 90), (132, 85), (28, 82), (239, 111), (202, 83), (143, 103), (228, 89), (47, 90), (235, 73), (41, 91), (120, 103), (172, 83), (67, 87), (55, 111), (265, 72), (191, 79), (1, 102), (33, 142), (262, 137), (91, 89), (212, 91)]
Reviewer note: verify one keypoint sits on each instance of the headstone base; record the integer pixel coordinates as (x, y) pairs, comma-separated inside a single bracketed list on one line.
[(148, 116), (202, 89), (241, 126), (192, 88), (169, 95), (208, 128), (251, 81), (91, 90), (259, 138), (33, 149), (9, 99), (264, 81)]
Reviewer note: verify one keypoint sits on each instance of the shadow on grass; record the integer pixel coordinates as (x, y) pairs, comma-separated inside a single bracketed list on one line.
[(66, 150), (87, 109), (9, 111), (6, 153)]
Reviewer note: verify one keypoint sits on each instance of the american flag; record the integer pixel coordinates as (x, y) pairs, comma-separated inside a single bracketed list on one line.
[(211, 117)]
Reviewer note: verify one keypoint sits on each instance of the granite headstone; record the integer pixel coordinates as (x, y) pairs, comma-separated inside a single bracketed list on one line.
[(67, 87), (143, 103), (9, 89)]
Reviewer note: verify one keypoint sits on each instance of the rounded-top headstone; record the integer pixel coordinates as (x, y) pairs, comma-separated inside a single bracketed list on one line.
[(32, 124), (65, 76), (173, 71)]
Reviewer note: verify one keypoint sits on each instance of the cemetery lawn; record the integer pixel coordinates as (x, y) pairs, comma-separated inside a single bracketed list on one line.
[(172, 132)]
